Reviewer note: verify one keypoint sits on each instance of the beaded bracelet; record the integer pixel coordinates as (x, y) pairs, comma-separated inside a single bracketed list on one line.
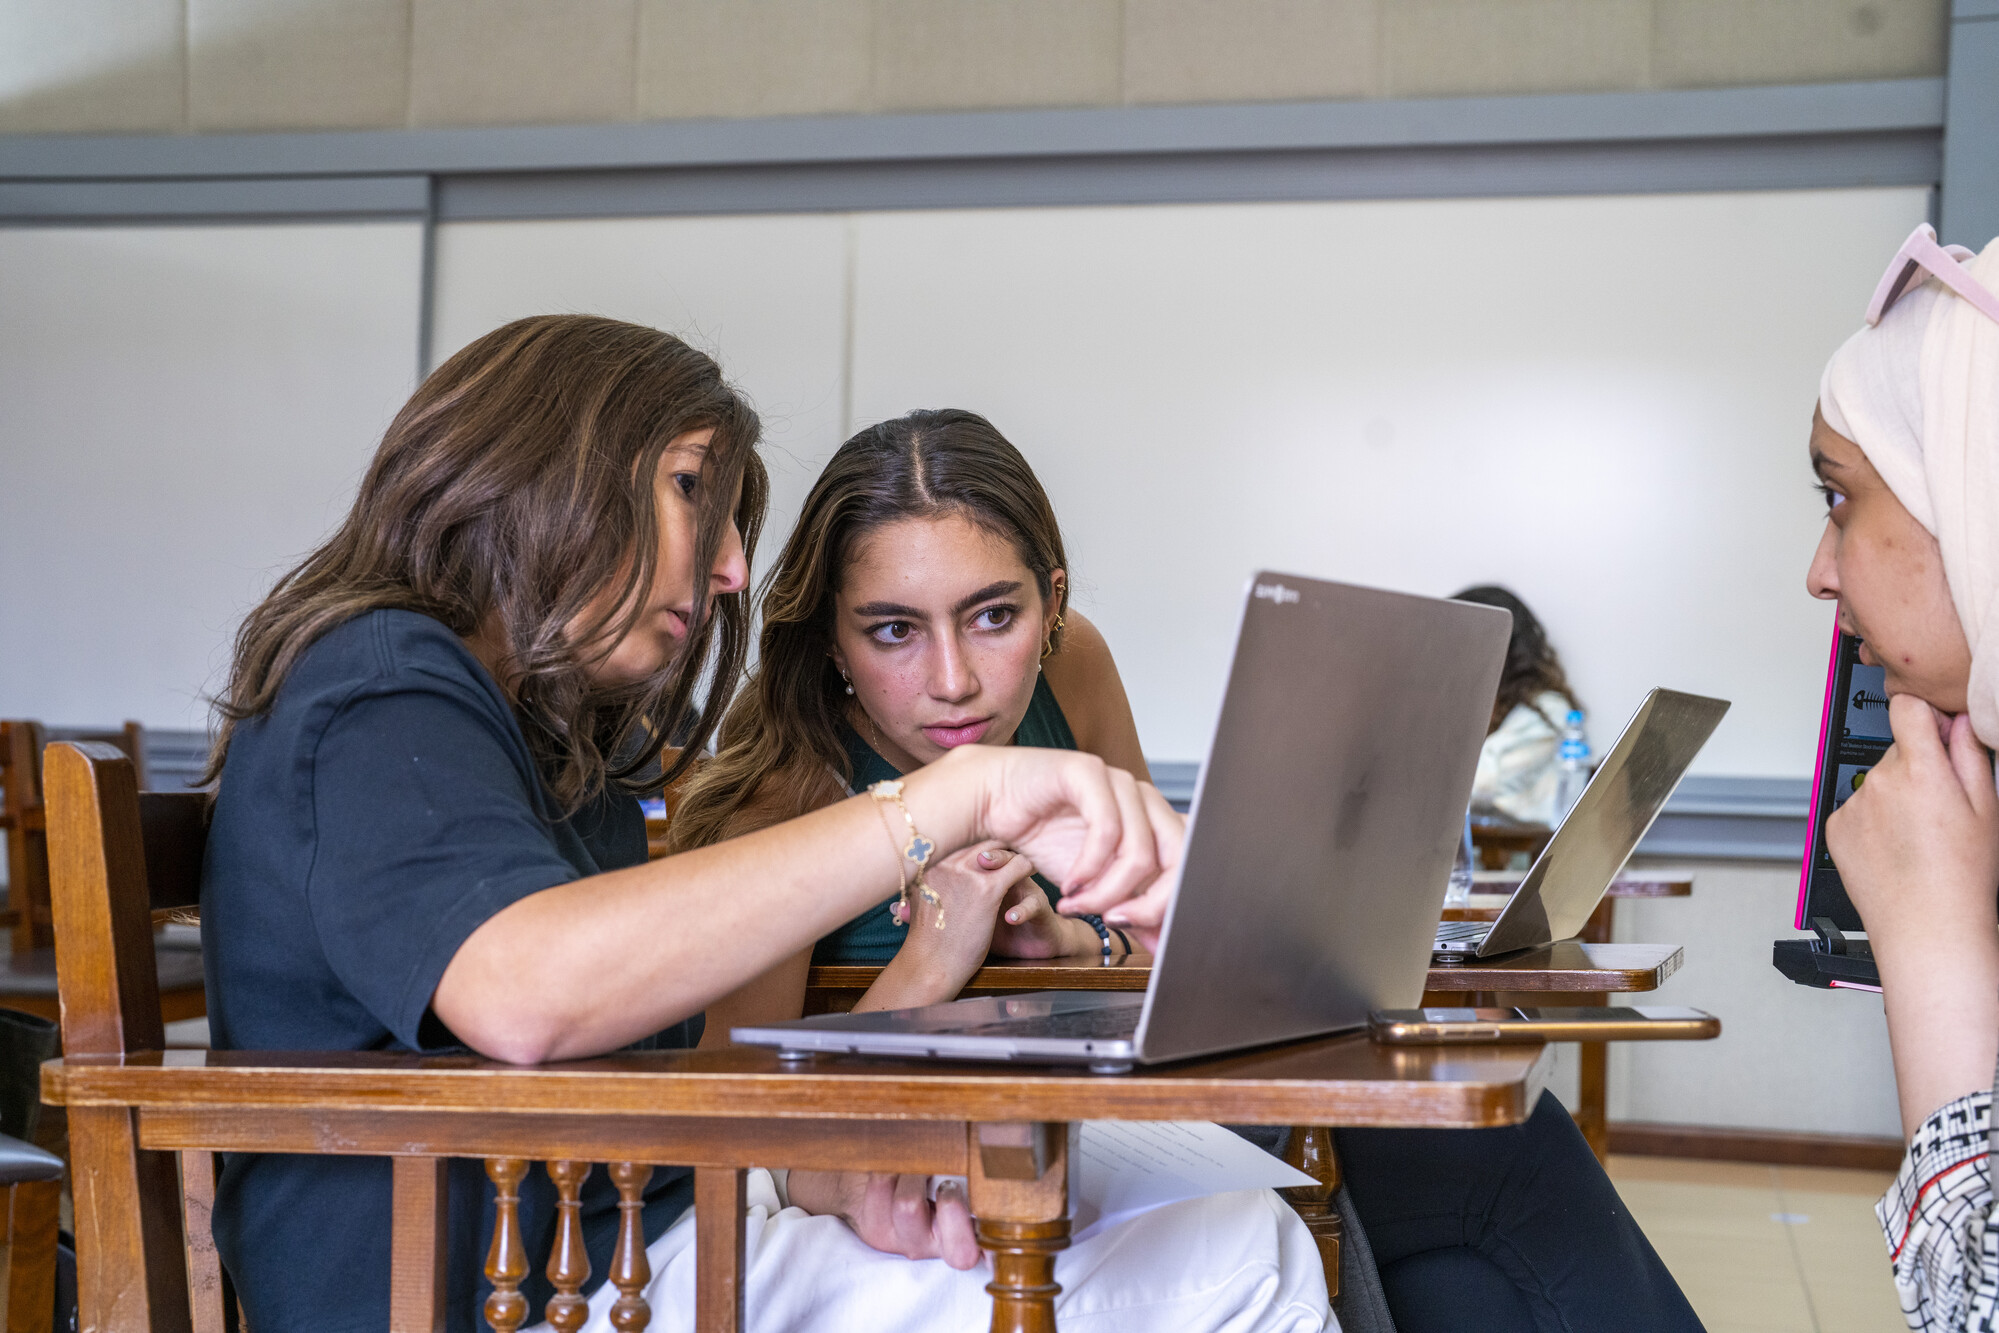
[(916, 852), (1104, 934)]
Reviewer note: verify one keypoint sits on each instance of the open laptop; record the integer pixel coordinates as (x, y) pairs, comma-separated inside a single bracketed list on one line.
[(1614, 812), (1323, 827)]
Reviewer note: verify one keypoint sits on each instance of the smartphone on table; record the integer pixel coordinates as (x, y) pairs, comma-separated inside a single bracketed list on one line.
[(1436, 1027)]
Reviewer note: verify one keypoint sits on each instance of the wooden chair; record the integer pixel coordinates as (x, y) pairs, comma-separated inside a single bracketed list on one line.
[(27, 971), (116, 855), (28, 983), (32, 1180)]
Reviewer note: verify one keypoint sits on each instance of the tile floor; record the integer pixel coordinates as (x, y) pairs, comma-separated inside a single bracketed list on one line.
[(1767, 1249)]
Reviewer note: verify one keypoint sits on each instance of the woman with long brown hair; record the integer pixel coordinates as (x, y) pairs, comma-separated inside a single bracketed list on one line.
[(426, 832), (919, 610)]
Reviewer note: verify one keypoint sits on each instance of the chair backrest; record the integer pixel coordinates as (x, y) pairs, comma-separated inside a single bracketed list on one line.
[(657, 825), (23, 816), (115, 855)]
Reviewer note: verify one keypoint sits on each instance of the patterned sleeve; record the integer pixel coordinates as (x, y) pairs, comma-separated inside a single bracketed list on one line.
[(1943, 1238)]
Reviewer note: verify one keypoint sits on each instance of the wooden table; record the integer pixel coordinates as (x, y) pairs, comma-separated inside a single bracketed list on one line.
[(722, 1111), (1566, 967), (1491, 891)]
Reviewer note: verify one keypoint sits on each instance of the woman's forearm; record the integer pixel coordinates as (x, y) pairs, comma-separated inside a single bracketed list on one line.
[(1942, 999), (909, 981), (595, 964)]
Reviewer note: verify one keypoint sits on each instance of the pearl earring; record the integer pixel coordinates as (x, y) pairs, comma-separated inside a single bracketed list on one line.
[(850, 683)]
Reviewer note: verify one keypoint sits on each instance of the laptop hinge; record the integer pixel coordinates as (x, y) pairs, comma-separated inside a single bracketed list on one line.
[(1829, 938)]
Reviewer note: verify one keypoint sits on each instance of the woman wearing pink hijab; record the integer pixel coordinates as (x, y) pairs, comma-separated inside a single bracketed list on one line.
[(1906, 448)]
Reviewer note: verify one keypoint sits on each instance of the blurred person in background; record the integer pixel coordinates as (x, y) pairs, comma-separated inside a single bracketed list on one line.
[(1518, 769)]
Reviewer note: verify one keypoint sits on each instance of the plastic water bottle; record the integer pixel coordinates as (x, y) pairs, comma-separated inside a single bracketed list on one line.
[(1573, 758), (1457, 890)]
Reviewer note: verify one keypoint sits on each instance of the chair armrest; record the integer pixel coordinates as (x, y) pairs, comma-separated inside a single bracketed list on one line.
[(21, 1162)]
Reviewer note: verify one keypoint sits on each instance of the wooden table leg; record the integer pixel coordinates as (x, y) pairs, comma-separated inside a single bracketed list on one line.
[(1593, 1071), (1593, 1088), (1019, 1184), (720, 1194), (418, 1255), (204, 1266)]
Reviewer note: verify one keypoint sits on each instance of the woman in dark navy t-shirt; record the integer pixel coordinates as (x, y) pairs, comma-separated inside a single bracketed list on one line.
[(426, 835)]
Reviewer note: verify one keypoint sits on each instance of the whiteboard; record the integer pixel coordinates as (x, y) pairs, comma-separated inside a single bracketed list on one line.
[(184, 411), (1602, 402)]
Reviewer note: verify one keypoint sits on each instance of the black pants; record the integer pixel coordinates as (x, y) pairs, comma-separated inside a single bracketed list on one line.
[(1503, 1229)]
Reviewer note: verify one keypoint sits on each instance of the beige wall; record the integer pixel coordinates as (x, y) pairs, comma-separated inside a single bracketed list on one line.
[(106, 66)]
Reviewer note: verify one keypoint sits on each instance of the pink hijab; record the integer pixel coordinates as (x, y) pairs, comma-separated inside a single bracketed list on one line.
[(1919, 393)]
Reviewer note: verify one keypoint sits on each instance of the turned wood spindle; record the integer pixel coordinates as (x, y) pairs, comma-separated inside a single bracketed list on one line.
[(507, 1260), (568, 1260), (1023, 1286), (1311, 1151), (630, 1270)]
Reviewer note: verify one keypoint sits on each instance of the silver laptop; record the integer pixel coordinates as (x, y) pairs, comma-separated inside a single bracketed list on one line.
[(1324, 825), (1612, 815)]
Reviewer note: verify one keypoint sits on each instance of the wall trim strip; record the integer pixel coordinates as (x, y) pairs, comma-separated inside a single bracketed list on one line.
[(267, 199), (1487, 171), (1714, 1143), (1805, 136), (1717, 113)]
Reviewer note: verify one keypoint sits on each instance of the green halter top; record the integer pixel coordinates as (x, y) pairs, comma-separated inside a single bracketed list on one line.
[(873, 936)]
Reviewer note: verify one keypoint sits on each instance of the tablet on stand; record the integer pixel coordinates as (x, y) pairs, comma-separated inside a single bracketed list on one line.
[(1853, 735)]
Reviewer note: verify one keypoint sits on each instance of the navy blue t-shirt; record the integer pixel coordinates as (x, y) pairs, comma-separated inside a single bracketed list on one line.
[(384, 809)]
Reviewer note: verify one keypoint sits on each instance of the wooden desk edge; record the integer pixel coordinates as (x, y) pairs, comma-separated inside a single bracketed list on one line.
[(1493, 1087)]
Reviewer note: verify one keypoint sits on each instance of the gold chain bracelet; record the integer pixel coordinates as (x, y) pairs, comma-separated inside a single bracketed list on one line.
[(915, 852)]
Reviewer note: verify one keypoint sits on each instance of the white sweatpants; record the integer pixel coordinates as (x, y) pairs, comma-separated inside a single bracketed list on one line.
[(1230, 1263)]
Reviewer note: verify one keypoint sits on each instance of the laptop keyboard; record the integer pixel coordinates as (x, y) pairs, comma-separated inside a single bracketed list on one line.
[(1085, 1023), (1462, 932)]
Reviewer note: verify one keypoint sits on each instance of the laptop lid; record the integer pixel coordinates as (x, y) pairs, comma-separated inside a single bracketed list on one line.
[(1612, 815), (1326, 816)]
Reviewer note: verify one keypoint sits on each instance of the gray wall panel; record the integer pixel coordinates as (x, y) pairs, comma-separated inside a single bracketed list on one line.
[(52, 202), (1971, 148)]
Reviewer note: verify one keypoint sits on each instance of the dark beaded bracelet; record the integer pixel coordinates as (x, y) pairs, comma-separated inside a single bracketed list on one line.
[(1104, 934)]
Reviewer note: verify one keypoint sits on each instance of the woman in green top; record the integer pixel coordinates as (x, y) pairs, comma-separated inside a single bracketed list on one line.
[(919, 606)]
